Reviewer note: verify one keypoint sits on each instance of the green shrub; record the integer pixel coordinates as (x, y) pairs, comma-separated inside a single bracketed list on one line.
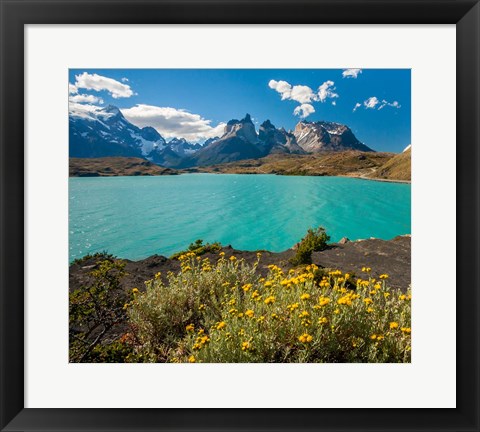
[(199, 248), (95, 309), (314, 240)]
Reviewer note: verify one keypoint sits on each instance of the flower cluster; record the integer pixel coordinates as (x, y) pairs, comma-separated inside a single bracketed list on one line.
[(300, 315)]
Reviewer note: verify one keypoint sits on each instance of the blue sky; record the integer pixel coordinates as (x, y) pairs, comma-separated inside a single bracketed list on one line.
[(195, 103)]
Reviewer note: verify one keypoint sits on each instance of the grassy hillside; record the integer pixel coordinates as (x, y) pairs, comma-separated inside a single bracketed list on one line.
[(115, 166), (386, 166), (351, 163), (396, 168)]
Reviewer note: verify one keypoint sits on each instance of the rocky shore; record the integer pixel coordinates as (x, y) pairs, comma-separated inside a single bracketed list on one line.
[(392, 257)]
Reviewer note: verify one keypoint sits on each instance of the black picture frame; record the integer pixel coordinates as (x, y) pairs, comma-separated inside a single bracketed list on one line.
[(17, 13)]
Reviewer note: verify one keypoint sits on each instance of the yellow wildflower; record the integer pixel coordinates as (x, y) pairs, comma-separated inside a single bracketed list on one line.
[(383, 276), (323, 301), (190, 328), (221, 325), (367, 301), (322, 320), (305, 296), (305, 338), (135, 290), (269, 300), (393, 325), (247, 287), (249, 313), (246, 346), (191, 359), (303, 314)]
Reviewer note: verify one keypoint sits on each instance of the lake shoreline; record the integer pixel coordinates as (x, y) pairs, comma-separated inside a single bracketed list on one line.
[(382, 256)]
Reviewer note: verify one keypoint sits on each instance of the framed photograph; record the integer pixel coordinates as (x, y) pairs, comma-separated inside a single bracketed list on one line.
[(256, 213)]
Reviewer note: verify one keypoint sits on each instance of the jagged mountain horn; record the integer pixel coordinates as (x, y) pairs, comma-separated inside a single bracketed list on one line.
[(240, 141), (314, 137), (103, 132), (277, 140)]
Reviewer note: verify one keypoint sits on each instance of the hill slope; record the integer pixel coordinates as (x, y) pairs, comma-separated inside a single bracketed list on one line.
[(397, 168), (115, 166), (349, 163)]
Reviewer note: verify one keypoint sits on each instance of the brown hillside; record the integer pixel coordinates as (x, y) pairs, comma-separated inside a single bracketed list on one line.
[(397, 168), (351, 163), (115, 166)]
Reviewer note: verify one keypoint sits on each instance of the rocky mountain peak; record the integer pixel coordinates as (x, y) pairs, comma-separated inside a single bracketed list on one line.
[(267, 124), (321, 136), (241, 128)]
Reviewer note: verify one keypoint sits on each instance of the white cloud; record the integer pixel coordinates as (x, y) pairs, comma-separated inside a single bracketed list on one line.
[(173, 122), (298, 93), (83, 110), (84, 98), (304, 95), (371, 102), (304, 110), (98, 83), (72, 89), (375, 104), (334, 103), (351, 73), (326, 90), (393, 104), (124, 79), (282, 87)]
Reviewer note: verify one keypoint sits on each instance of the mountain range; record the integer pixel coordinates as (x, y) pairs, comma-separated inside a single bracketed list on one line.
[(107, 133)]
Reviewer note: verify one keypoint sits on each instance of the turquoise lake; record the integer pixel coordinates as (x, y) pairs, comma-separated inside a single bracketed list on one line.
[(135, 217)]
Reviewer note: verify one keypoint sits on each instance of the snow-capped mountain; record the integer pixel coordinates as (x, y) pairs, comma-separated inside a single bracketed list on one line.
[(104, 132), (182, 147), (314, 137)]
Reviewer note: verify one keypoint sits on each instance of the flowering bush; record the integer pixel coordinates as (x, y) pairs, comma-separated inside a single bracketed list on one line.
[(226, 312)]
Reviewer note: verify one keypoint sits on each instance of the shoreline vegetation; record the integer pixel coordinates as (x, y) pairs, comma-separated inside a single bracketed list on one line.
[(317, 302), (355, 164)]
